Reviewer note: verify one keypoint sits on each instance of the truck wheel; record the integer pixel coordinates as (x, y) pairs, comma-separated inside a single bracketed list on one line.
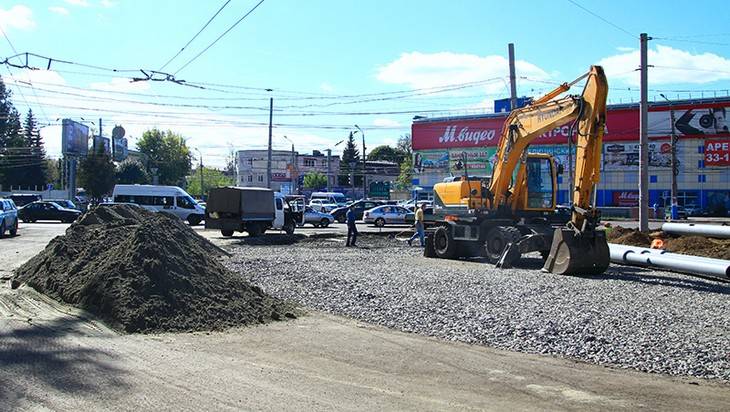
[(497, 239), (226, 233), (194, 220), (289, 228), (324, 222), (444, 244)]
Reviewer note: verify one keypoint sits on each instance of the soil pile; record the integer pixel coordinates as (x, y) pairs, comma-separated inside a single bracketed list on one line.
[(624, 236), (699, 246), (146, 272)]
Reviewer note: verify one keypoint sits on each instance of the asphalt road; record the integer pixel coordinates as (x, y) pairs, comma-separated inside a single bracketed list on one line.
[(54, 357)]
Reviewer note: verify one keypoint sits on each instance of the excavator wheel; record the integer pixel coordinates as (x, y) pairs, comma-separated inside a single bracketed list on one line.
[(444, 244), (572, 254), (497, 239)]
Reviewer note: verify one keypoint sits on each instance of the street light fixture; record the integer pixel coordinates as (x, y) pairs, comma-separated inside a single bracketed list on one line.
[(675, 168), (364, 170), (293, 167), (329, 168)]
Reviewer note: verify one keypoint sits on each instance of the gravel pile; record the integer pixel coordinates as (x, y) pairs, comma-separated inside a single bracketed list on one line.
[(146, 272), (630, 317)]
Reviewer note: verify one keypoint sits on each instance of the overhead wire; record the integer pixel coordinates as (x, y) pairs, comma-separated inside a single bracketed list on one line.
[(194, 37), (218, 38), (598, 16)]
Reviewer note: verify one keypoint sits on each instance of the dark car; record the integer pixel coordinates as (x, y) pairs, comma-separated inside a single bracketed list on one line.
[(64, 203), (47, 211), (359, 208), (22, 199)]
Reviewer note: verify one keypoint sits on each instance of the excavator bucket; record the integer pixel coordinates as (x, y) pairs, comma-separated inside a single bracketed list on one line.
[(574, 254)]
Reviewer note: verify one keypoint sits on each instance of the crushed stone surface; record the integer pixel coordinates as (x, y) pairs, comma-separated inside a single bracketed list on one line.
[(634, 318), (146, 272)]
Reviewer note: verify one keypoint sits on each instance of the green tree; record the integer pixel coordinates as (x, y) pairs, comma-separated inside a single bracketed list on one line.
[(13, 149), (168, 153), (405, 178), (388, 154), (36, 172), (211, 178), (315, 180), (131, 172), (404, 144), (96, 174), (349, 155)]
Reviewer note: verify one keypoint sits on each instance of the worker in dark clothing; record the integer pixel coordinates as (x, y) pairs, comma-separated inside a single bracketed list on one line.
[(351, 228)]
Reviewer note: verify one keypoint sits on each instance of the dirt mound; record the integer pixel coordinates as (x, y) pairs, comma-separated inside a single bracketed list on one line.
[(700, 246), (146, 272), (625, 236)]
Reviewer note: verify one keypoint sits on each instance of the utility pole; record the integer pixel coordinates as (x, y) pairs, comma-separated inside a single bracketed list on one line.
[(512, 78), (268, 161), (294, 168), (675, 166), (644, 139), (202, 188), (364, 167), (329, 169)]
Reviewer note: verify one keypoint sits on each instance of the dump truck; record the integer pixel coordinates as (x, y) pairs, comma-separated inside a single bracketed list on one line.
[(514, 211), (249, 209)]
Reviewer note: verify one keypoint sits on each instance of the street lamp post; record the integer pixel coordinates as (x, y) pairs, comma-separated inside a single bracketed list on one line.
[(294, 168), (675, 166), (329, 167), (364, 170), (202, 191)]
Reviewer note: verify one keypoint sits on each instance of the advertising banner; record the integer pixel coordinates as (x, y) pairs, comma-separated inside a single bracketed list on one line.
[(621, 125), (626, 198), (625, 156), (120, 152), (104, 142), (717, 152), (478, 161), (74, 138), (431, 161)]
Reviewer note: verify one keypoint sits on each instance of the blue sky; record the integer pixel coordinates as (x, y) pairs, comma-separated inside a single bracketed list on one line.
[(316, 53)]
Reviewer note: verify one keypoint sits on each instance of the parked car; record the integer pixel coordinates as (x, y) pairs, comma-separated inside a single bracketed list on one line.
[(391, 215), (8, 217), (330, 198), (47, 211), (22, 199), (359, 207), (693, 210), (316, 218), (322, 205), (64, 203)]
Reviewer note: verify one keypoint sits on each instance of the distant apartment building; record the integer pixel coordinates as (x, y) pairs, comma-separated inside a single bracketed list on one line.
[(251, 168)]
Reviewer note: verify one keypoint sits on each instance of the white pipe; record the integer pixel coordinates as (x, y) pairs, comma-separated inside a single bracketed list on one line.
[(717, 231), (669, 254), (628, 256)]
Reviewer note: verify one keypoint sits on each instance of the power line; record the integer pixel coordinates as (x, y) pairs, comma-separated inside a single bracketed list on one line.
[(711, 43), (196, 35), (219, 37), (603, 19)]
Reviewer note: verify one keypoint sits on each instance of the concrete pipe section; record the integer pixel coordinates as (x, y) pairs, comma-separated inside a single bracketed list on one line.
[(639, 256), (716, 231)]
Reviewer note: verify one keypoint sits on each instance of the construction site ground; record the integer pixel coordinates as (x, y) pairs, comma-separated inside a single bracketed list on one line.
[(55, 357)]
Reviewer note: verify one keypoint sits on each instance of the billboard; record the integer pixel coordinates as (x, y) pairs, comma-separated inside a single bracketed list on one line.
[(478, 161), (625, 156), (104, 142), (74, 138), (622, 124), (431, 160), (120, 150), (717, 152)]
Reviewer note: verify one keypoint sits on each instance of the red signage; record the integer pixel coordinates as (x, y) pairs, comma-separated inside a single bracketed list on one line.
[(626, 198), (622, 124), (717, 152)]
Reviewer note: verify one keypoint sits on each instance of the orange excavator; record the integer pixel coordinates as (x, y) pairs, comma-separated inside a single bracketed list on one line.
[(514, 211)]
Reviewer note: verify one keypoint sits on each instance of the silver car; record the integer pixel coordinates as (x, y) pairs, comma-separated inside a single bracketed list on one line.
[(388, 214), (8, 217), (317, 219)]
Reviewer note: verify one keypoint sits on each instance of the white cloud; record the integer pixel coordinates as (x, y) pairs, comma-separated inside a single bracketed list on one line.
[(59, 10), (326, 87), (45, 77), (18, 17), (80, 3), (107, 3), (625, 49), (382, 122), (671, 66), (425, 70), (119, 84)]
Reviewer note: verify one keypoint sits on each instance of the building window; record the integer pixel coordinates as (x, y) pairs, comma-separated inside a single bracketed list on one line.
[(700, 164), (250, 178), (261, 178), (324, 163), (701, 178), (652, 179), (308, 162), (250, 161)]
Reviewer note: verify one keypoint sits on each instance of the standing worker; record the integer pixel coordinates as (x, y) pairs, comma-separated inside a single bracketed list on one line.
[(351, 228), (419, 227)]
